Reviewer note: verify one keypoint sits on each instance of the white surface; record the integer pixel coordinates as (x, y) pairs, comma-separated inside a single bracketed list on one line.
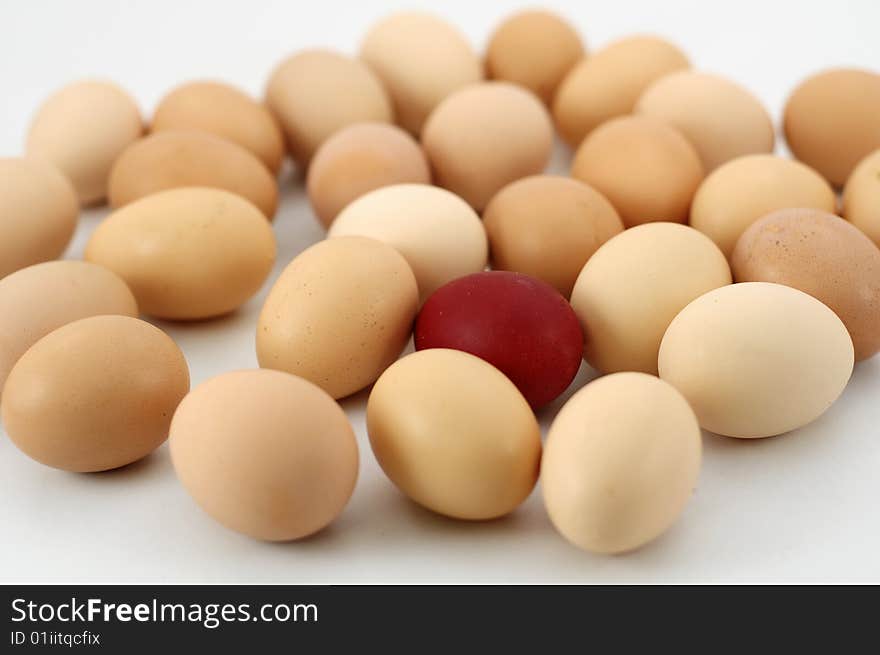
[(798, 508)]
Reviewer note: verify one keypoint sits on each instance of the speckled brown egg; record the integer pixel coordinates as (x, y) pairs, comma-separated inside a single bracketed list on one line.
[(314, 93), (95, 394), (645, 168), (38, 213), (82, 129), (187, 158), (822, 255), (738, 193), (832, 121), (421, 59), (608, 83), (548, 226), (223, 110), (484, 137), (861, 197), (535, 49), (361, 158), (720, 118)]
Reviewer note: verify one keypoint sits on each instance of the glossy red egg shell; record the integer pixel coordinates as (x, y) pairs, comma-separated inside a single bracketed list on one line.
[(519, 324)]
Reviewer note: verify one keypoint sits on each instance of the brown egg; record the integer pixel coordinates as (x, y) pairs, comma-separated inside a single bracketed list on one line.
[(621, 461), (861, 197), (358, 159), (822, 255), (66, 291), (832, 121), (421, 59), (314, 93), (82, 129), (224, 111), (95, 394), (339, 314), (439, 234), (186, 158), (266, 454), (188, 253), (634, 285), (645, 168), (743, 190), (608, 83), (454, 434), (485, 136), (39, 210), (721, 119), (535, 49), (548, 227)]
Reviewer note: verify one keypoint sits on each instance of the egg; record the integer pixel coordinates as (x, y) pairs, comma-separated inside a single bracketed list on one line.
[(358, 159), (756, 359), (95, 394), (68, 291), (822, 255), (421, 59), (188, 253), (439, 234), (314, 93), (485, 136), (861, 197), (454, 435), (173, 159), (832, 121), (39, 209), (517, 323), (721, 119), (339, 314), (548, 227), (82, 129), (265, 453), (535, 49), (744, 189), (635, 284), (224, 111), (621, 461), (608, 83), (646, 168)]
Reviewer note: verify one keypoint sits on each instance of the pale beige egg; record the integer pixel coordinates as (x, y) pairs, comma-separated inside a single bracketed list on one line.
[(861, 197)]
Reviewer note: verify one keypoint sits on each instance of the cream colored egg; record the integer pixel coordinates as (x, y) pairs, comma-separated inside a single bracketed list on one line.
[(421, 59), (38, 213), (314, 93), (535, 49), (82, 129), (486, 136), (719, 117), (43, 297), (265, 453), (358, 159), (188, 253), (861, 197), (339, 314), (454, 434), (224, 111), (437, 232), (743, 190), (621, 460), (172, 159), (608, 83), (634, 285), (757, 359), (95, 394)]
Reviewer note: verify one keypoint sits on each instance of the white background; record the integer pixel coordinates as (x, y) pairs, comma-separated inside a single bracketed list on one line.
[(799, 508)]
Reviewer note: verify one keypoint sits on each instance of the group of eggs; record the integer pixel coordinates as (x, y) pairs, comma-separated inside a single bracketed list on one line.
[(601, 265)]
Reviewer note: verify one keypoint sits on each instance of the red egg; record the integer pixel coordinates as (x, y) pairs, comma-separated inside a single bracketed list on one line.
[(519, 324)]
